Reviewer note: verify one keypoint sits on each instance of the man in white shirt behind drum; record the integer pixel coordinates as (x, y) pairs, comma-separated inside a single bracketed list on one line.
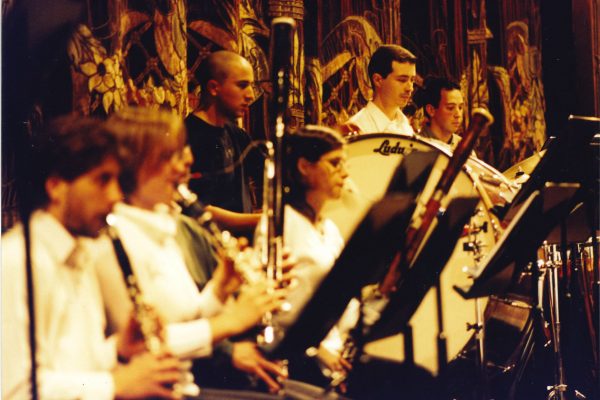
[(392, 71)]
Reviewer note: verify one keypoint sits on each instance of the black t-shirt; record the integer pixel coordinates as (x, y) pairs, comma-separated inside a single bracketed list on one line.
[(214, 149)]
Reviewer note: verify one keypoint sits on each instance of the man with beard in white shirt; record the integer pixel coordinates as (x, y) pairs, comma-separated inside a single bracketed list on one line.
[(392, 71), (76, 186)]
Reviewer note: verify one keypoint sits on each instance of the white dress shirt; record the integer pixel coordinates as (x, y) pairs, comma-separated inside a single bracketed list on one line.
[(162, 275), (315, 247), (74, 357), (370, 119), (427, 133)]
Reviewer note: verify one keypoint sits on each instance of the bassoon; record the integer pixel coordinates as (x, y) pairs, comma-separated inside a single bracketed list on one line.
[(481, 119)]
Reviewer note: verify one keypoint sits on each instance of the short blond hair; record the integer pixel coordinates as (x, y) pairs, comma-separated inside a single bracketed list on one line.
[(147, 137)]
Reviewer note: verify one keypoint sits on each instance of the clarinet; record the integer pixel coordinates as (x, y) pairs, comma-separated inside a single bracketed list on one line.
[(151, 327), (223, 243)]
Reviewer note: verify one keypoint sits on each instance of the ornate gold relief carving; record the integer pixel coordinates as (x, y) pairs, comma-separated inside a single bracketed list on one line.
[(154, 37), (287, 8), (527, 100), (344, 59), (522, 99)]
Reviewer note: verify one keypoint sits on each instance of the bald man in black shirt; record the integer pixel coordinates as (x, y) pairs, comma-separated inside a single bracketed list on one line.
[(226, 81)]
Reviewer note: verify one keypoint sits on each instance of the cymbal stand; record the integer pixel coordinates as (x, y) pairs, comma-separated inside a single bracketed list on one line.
[(475, 246), (552, 261)]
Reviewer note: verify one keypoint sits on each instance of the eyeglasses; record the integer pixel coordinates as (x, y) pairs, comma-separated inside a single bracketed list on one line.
[(337, 163)]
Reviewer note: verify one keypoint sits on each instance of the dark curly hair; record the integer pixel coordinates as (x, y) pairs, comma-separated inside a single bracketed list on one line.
[(431, 93), (68, 147)]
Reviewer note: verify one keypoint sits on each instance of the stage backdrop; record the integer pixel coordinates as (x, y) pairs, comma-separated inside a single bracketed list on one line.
[(146, 53), (138, 52)]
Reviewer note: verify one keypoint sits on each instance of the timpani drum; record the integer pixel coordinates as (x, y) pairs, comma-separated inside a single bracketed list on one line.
[(372, 160)]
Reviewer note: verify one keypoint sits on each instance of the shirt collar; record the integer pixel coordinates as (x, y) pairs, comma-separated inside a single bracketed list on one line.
[(159, 223), (428, 133), (53, 235), (378, 115)]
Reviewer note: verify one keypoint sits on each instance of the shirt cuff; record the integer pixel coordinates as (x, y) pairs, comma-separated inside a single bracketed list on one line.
[(191, 339), (333, 341)]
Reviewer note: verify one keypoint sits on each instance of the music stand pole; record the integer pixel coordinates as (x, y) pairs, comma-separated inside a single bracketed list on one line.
[(441, 337), (595, 306)]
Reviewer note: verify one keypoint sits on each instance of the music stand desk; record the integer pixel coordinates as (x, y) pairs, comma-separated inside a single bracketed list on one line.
[(530, 225), (426, 269), (359, 265), (562, 161)]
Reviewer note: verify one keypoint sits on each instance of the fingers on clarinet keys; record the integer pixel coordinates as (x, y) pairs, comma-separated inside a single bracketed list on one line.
[(270, 333), (186, 387), (333, 366), (288, 278), (148, 376)]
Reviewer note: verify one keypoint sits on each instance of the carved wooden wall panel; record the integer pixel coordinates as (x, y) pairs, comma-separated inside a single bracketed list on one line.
[(146, 52), (517, 74), (143, 60)]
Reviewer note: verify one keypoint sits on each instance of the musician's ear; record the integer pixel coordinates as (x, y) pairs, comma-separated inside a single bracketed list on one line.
[(429, 110), (303, 166), (56, 187), (213, 86), (56, 190), (377, 78)]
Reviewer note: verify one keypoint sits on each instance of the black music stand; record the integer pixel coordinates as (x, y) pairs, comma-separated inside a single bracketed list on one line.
[(530, 225), (563, 160), (381, 230), (412, 174), (426, 269), (374, 377)]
